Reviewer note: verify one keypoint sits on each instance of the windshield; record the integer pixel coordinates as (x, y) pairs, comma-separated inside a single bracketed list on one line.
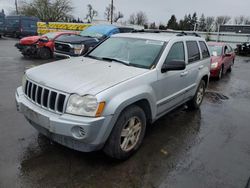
[(215, 50), (50, 35), (130, 51)]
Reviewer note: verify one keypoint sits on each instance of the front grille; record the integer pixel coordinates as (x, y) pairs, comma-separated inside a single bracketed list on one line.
[(44, 97), (62, 47)]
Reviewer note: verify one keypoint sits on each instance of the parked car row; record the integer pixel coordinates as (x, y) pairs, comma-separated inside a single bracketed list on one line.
[(71, 44)]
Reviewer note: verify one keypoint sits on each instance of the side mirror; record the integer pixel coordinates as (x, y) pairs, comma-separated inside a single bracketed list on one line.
[(173, 66)]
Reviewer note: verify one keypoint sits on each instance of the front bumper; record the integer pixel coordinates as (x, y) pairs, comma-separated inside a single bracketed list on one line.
[(60, 127)]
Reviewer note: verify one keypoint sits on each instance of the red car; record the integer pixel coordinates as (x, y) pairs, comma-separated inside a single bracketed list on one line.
[(40, 46), (222, 59)]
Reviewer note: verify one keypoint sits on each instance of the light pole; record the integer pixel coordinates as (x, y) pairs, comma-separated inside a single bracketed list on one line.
[(16, 7), (111, 16)]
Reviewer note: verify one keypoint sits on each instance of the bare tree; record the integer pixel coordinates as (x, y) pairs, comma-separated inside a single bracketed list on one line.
[(107, 14), (241, 20), (118, 16), (221, 20), (140, 18), (132, 19), (47, 10), (209, 22), (91, 13)]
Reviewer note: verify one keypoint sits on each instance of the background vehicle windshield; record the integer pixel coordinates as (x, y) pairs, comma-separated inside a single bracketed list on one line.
[(93, 34), (50, 35), (12, 22), (215, 50), (136, 52), (29, 24)]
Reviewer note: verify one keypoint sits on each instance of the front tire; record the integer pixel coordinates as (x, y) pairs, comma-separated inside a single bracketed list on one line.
[(196, 101), (44, 53), (127, 134), (220, 73)]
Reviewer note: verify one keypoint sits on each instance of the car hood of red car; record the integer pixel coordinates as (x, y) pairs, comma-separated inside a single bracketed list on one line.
[(29, 40), (215, 59)]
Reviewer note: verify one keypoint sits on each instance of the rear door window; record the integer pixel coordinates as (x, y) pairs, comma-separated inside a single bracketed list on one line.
[(204, 49), (193, 51)]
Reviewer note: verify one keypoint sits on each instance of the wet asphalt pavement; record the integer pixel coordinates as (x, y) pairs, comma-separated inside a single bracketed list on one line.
[(208, 148)]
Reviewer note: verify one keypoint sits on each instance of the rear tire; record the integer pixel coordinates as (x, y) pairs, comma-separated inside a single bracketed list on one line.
[(127, 134), (196, 101), (44, 53)]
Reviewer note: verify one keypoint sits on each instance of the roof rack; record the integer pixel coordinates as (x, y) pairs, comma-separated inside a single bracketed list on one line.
[(188, 34), (166, 31), (146, 31)]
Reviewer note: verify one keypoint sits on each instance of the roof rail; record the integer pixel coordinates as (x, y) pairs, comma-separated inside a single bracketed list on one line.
[(146, 31), (188, 34)]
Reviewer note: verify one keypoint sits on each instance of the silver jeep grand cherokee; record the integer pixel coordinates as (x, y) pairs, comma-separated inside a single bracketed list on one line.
[(105, 99)]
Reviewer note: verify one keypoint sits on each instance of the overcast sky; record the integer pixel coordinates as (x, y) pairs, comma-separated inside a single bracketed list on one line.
[(158, 10)]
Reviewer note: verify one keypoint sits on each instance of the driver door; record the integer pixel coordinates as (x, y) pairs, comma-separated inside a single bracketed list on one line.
[(170, 84)]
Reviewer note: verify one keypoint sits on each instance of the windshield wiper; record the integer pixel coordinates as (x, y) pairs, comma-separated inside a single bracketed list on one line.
[(116, 60)]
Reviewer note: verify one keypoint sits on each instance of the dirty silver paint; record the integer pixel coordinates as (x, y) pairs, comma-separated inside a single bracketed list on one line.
[(206, 148)]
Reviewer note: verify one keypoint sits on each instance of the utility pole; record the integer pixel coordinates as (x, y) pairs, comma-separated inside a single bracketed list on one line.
[(16, 7), (112, 9)]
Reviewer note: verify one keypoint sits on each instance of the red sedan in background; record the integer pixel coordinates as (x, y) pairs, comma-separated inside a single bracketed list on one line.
[(222, 59), (40, 46)]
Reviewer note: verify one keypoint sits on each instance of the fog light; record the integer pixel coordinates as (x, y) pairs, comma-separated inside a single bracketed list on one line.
[(78, 132)]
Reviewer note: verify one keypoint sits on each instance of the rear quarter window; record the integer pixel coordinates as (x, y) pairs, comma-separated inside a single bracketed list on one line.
[(193, 51), (204, 50)]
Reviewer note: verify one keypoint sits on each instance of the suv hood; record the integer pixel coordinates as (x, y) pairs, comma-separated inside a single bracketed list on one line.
[(74, 39), (29, 40), (82, 75)]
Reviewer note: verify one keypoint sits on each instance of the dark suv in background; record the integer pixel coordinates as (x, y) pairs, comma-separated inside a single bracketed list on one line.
[(76, 45), (20, 26), (2, 18)]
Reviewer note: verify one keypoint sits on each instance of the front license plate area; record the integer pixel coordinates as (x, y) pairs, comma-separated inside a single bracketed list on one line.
[(37, 118)]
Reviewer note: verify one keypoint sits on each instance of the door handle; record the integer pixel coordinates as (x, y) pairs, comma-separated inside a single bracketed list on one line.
[(184, 73), (201, 67)]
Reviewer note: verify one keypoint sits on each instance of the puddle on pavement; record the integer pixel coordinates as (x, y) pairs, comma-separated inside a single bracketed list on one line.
[(215, 97)]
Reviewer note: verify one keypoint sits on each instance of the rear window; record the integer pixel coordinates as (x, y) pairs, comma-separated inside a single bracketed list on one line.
[(193, 51), (204, 50)]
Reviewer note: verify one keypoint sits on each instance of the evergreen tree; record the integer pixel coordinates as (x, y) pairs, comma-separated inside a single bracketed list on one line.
[(172, 23), (202, 23)]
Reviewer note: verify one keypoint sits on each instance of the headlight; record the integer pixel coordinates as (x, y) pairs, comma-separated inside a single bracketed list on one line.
[(78, 48), (24, 81), (84, 106), (214, 65)]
